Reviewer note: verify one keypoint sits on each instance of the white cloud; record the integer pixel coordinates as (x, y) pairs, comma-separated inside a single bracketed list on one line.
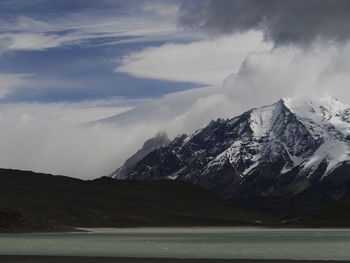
[(206, 61)]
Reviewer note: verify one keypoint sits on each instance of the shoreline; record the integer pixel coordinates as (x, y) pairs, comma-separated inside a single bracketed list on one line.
[(91, 229), (83, 259)]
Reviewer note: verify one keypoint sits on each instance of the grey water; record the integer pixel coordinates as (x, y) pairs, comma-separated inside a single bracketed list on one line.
[(206, 242)]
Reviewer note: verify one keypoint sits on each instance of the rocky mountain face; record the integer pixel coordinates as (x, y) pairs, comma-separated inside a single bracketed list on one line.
[(295, 146)]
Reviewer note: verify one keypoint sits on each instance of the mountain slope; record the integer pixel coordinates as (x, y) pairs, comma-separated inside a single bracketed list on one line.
[(278, 150)]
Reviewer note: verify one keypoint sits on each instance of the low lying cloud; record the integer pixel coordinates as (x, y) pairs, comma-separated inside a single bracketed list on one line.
[(50, 138)]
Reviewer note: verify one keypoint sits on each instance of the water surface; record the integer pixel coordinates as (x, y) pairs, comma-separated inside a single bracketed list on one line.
[(208, 242)]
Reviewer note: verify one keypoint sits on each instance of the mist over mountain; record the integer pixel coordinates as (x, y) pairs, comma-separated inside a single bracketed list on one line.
[(160, 140)]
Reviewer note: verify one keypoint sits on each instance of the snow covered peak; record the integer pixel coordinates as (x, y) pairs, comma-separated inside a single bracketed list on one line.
[(323, 111)]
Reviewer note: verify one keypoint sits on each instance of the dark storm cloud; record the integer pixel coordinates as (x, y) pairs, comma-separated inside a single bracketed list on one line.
[(282, 21)]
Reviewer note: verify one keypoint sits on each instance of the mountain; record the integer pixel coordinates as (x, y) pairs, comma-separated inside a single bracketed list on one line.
[(296, 146)]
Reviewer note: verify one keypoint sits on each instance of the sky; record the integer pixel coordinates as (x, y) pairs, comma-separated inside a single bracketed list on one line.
[(84, 83)]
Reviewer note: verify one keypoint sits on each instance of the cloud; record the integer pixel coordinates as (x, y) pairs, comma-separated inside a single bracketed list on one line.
[(72, 113), (33, 41), (162, 9), (207, 61), (157, 112), (282, 21), (109, 31), (153, 21), (42, 138), (10, 82), (49, 138), (267, 76)]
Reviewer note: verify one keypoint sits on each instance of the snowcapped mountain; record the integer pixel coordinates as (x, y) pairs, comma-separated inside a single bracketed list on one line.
[(285, 148)]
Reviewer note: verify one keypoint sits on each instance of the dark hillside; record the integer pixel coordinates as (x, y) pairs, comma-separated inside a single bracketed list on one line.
[(32, 201)]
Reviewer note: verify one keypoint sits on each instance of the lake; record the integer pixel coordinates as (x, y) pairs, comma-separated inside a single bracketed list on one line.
[(206, 242)]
